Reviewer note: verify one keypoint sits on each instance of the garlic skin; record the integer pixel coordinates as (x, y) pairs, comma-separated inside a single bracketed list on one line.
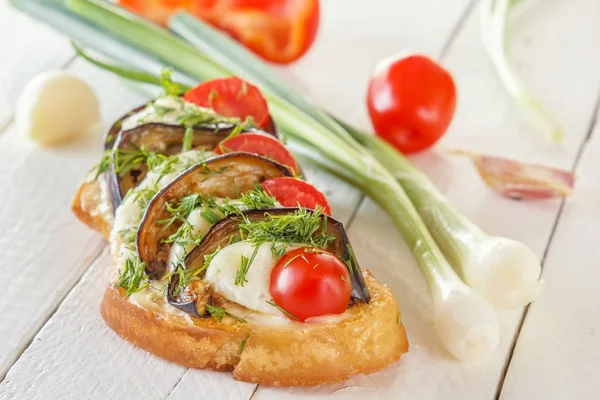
[(57, 106)]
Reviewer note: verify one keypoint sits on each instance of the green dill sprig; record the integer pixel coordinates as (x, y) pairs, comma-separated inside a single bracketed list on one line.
[(240, 277), (243, 345), (351, 262), (283, 310), (301, 226), (169, 87), (133, 277), (210, 216), (188, 139), (126, 159), (187, 275), (182, 210), (257, 199), (218, 313), (128, 234), (103, 165)]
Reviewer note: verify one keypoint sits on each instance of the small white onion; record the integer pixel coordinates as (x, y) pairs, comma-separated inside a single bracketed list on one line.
[(56, 106)]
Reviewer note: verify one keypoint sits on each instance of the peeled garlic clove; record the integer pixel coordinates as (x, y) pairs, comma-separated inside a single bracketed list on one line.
[(56, 106)]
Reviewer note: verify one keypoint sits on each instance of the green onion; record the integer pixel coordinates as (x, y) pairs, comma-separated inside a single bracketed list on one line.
[(503, 270), (495, 32), (466, 322)]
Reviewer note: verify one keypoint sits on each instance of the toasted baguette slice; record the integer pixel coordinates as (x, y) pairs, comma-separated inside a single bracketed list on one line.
[(369, 340), (87, 206)]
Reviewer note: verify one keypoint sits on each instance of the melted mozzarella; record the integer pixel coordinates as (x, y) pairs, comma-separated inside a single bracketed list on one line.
[(223, 269), (199, 228), (166, 110), (129, 214)]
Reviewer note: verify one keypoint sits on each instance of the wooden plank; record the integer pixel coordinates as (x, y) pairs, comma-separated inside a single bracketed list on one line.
[(486, 121), (76, 356), (557, 353), (45, 249), (27, 49)]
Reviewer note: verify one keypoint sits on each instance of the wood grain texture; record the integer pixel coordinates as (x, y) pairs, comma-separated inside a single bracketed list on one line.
[(43, 245), (557, 355), (76, 356), (486, 121)]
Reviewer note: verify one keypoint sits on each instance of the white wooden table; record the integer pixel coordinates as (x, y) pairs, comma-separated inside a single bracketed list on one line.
[(54, 345)]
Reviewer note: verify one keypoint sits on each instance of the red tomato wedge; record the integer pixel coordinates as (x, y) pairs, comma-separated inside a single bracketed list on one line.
[(231, 97), (309, 282), (293, 192), (262, 145), (277, 30)]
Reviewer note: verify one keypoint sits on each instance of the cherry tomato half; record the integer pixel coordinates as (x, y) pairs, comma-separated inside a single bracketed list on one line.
[(277, 30), (231, 97), (260, 144), (293, 192), (411, 102), (309, 282)]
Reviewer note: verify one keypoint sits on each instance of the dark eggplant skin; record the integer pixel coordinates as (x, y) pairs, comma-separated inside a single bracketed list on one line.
[(226, 176), (220, 234), (113, 132), (163, 139)]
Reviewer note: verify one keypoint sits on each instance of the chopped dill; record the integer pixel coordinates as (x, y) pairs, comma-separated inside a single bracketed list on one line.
[(219, 312), (301, 226), (188, 139), (169, 87), (243, 345), (133, 277), (283, 310), (245, 263), (210, 216), (103, 165)]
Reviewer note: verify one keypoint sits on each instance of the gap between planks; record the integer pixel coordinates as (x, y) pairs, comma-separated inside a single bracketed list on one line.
[(93, 257), (8, 123), (578, 157)]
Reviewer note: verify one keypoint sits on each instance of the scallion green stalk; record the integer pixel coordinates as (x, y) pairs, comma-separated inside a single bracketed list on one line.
[(505, 271), (466, 322), (494, 15)]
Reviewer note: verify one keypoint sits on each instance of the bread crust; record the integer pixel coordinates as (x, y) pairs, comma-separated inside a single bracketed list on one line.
[(370, 339), (86, 207)]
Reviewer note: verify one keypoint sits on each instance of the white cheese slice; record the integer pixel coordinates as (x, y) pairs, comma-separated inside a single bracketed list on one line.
[(223, 269), (166, 110), (199, 228), (129, 214)]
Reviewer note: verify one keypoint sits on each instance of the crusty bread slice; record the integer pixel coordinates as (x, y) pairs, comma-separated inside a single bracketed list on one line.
[(370, 339), (86, 207), (299, 355)]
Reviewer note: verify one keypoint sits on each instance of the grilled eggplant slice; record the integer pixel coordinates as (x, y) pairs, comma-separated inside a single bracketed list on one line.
[(221, 234), (226, 176), (114, 130), (163, 139)]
